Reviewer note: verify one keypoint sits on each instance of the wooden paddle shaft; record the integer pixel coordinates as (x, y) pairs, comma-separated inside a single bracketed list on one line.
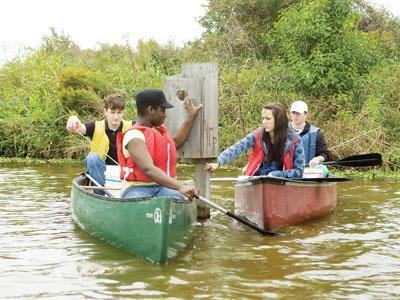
[(213, 205)]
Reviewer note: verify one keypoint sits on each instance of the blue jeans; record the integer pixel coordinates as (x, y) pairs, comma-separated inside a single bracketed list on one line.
[(96, 167), (151, 191)]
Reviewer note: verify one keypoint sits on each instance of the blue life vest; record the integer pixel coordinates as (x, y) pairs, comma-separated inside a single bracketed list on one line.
[(310, 143)]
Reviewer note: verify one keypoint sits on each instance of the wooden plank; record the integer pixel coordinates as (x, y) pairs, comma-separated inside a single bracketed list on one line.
[(175, 116), (201, 83), (210, 111)]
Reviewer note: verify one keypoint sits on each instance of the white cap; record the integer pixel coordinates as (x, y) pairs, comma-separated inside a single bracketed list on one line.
[(299, 106)]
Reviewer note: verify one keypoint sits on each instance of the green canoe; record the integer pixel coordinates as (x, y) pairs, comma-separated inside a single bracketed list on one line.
[(156, 228)]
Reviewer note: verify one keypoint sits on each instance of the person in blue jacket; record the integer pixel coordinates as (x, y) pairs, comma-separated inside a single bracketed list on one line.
[(315, 148)]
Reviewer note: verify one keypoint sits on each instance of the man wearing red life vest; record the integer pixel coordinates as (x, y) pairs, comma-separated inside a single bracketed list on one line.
[(147, 152)]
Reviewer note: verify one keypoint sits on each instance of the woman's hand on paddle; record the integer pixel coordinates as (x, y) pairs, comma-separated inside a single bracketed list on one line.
[(73, 124), (211, 166)]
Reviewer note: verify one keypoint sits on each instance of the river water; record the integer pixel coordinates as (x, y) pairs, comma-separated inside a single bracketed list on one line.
[(353, 253)]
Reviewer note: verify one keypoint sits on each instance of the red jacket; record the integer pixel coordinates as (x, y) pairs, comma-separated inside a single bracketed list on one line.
[(256, 157), (161, 147)]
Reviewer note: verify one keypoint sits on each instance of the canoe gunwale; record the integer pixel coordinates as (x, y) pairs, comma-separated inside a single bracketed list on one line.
[(284, 181), (76, 182)]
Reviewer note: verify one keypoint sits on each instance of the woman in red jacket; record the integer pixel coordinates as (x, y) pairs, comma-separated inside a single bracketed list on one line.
[(276, 149)]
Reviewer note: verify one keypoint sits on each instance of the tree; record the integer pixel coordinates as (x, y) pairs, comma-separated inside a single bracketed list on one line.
[(235, 27), (320, 47)]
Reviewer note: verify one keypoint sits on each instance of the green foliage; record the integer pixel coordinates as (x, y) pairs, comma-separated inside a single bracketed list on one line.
[(235, 27), (319, 46), (382, 88), (38, 93), (380, 25), (342, 57), (29, 109), (81, 90), (58, 43)]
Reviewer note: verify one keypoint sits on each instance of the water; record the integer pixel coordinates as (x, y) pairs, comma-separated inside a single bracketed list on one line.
[(353, 253)]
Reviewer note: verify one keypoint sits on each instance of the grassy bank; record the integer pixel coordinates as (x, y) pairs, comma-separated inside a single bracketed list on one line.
[(39, 161), (342, 57)]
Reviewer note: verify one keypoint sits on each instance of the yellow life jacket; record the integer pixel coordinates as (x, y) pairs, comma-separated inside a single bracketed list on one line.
[(100, 141)]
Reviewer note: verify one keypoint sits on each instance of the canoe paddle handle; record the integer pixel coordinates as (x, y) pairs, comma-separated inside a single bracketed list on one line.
[(236, 217)]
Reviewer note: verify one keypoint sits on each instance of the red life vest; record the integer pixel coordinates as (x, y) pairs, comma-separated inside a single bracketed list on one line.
[(256, 157), (161, 147)]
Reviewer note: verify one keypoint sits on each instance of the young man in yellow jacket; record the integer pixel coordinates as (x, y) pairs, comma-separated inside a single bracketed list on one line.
[(103, 133)]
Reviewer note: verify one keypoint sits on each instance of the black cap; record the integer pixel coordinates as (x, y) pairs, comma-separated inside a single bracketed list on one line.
[(152, 97)]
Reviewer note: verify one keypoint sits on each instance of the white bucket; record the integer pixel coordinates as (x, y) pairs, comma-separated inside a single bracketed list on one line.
[(113, 180)]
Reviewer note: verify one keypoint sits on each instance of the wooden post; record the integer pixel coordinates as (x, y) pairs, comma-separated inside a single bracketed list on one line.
[(202, 179), (200, 81)]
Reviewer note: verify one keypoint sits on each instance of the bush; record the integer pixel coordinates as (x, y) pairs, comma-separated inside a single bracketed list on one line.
[(39, 92), (320, 47), (382, 89), (81, 90)]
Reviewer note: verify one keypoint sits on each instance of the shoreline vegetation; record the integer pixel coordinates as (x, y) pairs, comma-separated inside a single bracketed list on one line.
[(341, 57)]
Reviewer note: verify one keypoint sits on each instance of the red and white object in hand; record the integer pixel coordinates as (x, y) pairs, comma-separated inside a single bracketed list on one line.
[(73, 123)]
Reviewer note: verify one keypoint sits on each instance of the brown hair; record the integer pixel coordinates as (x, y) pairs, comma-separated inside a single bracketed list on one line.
[(115, 101), (277, 149)]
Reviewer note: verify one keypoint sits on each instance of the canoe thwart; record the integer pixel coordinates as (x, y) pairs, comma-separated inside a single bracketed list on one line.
[(91, 187)]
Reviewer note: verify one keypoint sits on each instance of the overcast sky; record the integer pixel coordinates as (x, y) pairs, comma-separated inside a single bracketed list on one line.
[(90, 22)]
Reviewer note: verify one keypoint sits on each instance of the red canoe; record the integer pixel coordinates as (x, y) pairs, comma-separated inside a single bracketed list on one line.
[(274, 203)]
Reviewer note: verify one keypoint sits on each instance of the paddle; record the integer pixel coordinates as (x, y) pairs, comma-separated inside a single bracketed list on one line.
[(236, 217), (98, 184), (361, 160)]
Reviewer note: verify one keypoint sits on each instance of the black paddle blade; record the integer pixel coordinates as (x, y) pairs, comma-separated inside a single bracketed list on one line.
[(361, 160), (246, 221)]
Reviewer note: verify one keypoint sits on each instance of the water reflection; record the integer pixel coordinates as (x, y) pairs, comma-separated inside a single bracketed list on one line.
[(352, 253)]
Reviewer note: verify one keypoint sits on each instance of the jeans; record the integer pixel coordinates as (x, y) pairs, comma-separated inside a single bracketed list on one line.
[(151, 191), (96, 167)]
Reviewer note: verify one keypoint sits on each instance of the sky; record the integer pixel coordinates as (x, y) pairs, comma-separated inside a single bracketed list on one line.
[(90, 22), (392, 5)]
